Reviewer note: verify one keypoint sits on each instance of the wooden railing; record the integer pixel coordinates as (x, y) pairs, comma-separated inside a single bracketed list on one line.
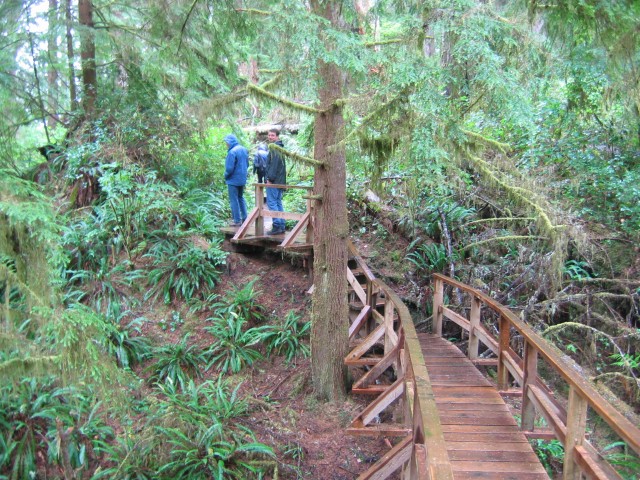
[(568, 424), (383, 337), (256, 219)]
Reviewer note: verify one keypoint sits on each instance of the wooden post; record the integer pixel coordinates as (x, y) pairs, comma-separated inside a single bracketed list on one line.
[(503, 346), (474, 320), (390, 338), (528, 411), (310, 205), (576, 428), (438, 304), (259, 206)]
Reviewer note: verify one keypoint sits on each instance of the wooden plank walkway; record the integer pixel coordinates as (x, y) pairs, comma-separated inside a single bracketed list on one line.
[(481, 435)]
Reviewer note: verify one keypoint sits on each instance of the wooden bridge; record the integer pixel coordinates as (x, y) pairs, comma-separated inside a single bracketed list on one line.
[(445, 418)]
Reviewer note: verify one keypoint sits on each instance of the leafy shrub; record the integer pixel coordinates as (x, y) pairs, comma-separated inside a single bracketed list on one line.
[(429, 257), (210, 446), (104, 288), (549, 452), (181, 273), (203, 402), (177, 363), (626, 462), (34, 413), (205, 453), (191, 433), (129, 350), (242, 302), (231, 348), (286, 339)]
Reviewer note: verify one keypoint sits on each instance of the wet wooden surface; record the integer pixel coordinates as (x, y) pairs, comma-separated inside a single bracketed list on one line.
[(482, 438)]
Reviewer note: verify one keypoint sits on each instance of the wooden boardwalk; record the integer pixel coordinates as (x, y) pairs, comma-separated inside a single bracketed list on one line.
[(481, 435)]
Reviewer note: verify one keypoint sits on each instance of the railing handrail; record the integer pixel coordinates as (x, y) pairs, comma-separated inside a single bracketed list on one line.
[(424, 448), (566, 368), (283, 186), (429, 422)]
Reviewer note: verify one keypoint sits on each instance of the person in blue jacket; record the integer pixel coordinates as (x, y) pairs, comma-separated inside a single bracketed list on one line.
[(235, 175)]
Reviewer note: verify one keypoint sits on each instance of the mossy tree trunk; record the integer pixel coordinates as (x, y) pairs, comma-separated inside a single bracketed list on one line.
[(88, 56), (329, 336)]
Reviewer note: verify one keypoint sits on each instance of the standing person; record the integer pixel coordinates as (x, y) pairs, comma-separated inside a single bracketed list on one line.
[(235, 175), (260, 162), (276, 174)]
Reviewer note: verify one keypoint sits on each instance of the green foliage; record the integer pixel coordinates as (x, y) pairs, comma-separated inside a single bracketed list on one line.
[(576, 270), (129, 350), (241, 302), (286, 339), (33, 416), (190, 433), (231, 348), (82, 337), (623, 458), (626, 360), (549, 452), (211, 446), (105, 287), (181, 273), (429, 257), (203, 455), (177, 363)]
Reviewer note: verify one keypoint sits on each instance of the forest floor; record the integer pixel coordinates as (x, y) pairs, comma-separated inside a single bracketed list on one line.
[(308, 436)]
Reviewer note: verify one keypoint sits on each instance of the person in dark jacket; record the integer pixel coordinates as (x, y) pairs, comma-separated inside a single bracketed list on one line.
[(260, 162), (235, 176), (276, 174)]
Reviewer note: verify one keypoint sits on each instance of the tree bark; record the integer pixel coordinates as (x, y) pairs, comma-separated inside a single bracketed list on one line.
[(329, 335), (73, 94), (88, 57), (52, 72)]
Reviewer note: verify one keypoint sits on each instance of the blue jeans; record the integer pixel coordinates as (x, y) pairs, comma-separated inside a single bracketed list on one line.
[(274, 202), (238, 205)]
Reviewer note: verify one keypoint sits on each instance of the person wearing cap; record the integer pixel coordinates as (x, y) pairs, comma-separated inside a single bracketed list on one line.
[(235, 176)]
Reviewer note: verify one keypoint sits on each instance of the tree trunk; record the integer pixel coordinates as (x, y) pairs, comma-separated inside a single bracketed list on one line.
[(52, 72), (88, 57), (329, 335), (73, 94)]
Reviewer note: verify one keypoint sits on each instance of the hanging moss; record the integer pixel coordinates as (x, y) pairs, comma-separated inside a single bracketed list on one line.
[(557, 241)]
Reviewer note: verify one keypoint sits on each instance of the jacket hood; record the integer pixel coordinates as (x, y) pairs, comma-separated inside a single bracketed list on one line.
[(262, 148), (231, 140)]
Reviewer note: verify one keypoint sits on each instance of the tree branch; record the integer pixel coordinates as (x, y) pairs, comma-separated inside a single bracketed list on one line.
[(184, 24), (284, 101), (296, 156), (508, 237), (503, 147)]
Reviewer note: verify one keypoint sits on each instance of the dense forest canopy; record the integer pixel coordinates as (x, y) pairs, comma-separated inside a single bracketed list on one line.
[(501, 140)]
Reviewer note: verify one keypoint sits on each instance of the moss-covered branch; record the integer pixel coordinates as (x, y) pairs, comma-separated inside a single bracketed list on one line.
[(503, 147), (617, 376), (582, 296), (383, 42), (562, 327), (497, 219), (23, 366), (365, 121), (521, 196), (271, 82), (296, 106), (254, 11), (296, 156), (503, 239)]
